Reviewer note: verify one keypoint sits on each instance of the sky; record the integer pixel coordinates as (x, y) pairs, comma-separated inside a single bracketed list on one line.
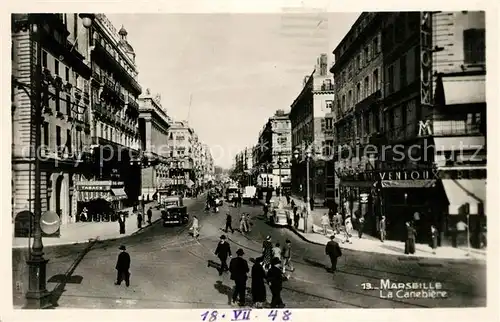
[(235, 69)]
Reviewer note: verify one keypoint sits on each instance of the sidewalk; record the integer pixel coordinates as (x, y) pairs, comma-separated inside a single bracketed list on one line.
[(374, 245), (82, 232)]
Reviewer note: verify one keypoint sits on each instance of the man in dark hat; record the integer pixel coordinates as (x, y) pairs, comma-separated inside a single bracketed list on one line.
[(239, 269), (332, 249), (122, 267), (275, 279), (223, 251)]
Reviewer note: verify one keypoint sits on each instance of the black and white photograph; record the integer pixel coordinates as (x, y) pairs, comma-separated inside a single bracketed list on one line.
[(248, 162)]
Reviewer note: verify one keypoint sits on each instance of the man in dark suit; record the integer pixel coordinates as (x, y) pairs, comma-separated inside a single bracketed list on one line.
[(332, 249), (239, 269), (223, 251), (122, 267), (229, 223), (275, 279)]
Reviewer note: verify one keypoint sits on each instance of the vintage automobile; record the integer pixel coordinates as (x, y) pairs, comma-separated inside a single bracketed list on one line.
[(175, 200), (231, 193), (174, 214)]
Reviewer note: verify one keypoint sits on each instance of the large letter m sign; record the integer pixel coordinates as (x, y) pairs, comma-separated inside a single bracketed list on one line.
[(424, 128)]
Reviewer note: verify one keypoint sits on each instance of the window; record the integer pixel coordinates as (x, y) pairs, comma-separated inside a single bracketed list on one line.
[(343, 102), (328, 123), (375, 80), (358, 92), (68, 141), (68, 105), (358, 61), (56, 67), (349, 99), (44, 59), (329, 105), (474, 46), (46, 134), (366, 125), (375, 46), (58, 137), (367, 87), (402, 71), (376, 121), (66, 74), (390, 79), (367, 54)]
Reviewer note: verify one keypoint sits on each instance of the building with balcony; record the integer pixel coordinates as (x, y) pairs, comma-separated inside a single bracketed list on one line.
[(115, 113), (181, 162), (66, 127), (357, 116), (153, 128), (307, 117), (433, 121), (208, 166), (274, 152)]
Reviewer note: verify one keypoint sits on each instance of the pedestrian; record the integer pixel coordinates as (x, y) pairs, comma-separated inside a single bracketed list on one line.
[(275, 280), (295, 216), (337, 219), (229, 223), (410, 239), (332, 249), (348, 229), (195, 227), (286, 252), (287, 195), (238, 267), (311, 203), (267, 251), (265, 208), (325, 222), (122, 267), (434, 239), (139, 220), (292, 204), (248, 222), (361, 226), (223, 251), (150, 215), (277, 251), (243, 225), (331, 216), (259, 293), (121, 223), (382, 228)]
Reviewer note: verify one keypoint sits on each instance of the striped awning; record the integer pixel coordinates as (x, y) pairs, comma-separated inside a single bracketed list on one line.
[(119, 194)]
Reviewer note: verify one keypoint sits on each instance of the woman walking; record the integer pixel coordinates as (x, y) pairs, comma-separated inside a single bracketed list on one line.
[(258, 283), (195, 227), (267, 251)]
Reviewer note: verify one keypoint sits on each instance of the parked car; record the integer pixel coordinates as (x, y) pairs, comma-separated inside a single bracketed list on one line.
[(280, 217)]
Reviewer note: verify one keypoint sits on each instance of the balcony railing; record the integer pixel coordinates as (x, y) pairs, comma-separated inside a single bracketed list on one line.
[(324, 87), (132, 102)]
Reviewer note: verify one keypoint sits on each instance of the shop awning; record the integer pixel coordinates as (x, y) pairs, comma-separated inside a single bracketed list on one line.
[(459, 143), (119, 193), (464, 90), (86, 196), (465, 191), (408, 183), (358, 184)]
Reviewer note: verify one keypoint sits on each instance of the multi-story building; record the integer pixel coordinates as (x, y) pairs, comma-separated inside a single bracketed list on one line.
[(181, 162), (66, 105), (208, 166), (424, 172), (356, 116), (274, 151), (153, 128), (116, 171), (308, 115)]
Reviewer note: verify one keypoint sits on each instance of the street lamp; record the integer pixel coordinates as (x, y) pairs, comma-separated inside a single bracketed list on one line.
[(307, 218), (37, 296)]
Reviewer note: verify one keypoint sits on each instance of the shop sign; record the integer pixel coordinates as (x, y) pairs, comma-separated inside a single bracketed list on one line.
[(94, 188), (424, 128), (426, 58), (363, 197), (406, 175)]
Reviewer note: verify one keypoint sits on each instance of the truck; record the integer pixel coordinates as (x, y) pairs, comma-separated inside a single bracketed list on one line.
[(249, 194)]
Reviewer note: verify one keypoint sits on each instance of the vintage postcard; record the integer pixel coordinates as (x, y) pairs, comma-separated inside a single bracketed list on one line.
[(242, 165)]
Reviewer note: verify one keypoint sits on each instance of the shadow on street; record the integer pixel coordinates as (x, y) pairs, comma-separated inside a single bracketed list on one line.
[(68, 277)]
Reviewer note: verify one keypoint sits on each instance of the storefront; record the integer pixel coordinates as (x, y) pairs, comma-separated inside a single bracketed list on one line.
[(100, 198)]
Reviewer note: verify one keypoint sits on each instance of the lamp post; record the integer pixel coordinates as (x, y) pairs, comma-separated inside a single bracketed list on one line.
[(307, 218), (37, 296)]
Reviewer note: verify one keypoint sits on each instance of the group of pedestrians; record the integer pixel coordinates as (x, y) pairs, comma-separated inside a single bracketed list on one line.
[(244, 223), (269, 268)]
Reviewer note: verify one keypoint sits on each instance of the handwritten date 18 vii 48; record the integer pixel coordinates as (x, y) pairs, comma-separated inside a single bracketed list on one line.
[(244, 315)]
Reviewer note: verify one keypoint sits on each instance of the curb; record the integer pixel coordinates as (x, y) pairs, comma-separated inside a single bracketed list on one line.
[(97, 238), (418, 257)]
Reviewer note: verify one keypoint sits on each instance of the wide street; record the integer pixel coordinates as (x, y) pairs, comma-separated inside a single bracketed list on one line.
[(170, 270)]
